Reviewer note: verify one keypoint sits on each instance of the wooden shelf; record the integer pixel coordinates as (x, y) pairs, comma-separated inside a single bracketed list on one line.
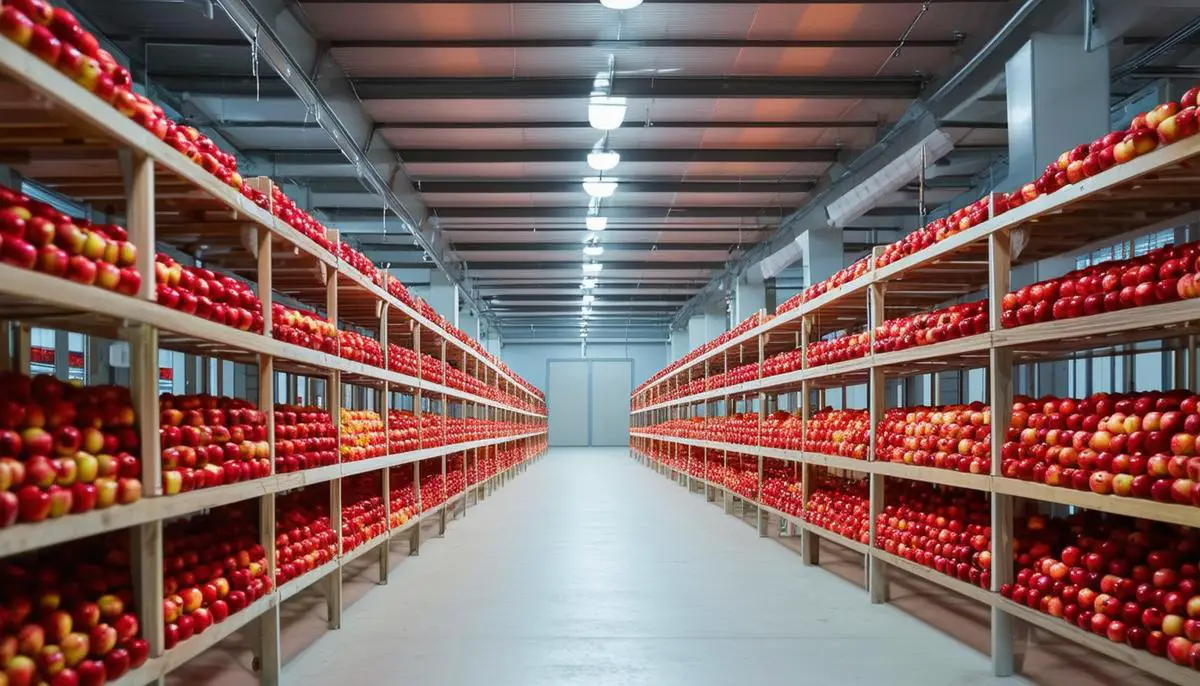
[(960, 587), (1141, 659), (21, 538), (1171, 513)]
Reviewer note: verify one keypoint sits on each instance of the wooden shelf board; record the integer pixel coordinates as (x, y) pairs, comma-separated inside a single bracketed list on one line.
[(1141, 659), (944, 580), (945, 477), (298, 585), (1186, 515)]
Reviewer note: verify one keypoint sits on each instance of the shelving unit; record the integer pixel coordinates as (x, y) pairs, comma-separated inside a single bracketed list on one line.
[(1152, 192), (90, 152)]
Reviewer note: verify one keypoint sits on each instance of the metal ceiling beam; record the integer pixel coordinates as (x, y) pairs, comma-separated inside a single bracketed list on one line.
[(635, 212), (231, 122), (540, 247), (629, 156), (487, 88), (349, 185), (626, 44), (287, 45), (648, 2), (669, 231), (602, 298), (623, 266)]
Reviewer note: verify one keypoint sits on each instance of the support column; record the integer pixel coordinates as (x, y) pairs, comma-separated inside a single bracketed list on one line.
[(443, 296), (823, 253), (749, 296), (706, 326), (1048, 76), (680, 342)]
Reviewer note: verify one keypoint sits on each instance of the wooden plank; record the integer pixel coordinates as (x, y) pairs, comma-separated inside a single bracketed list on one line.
[(944, 580), (1185, 515), (1141, 659)]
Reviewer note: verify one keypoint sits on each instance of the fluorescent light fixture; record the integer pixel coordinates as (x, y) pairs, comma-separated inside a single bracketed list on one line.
[(583, 334), (598, 187), (606, 113), (867, 194), (620, 4), (589, 299), (596, 223), (593, 250), (603, 160), (588, 284), (586, 311), (592, 267)]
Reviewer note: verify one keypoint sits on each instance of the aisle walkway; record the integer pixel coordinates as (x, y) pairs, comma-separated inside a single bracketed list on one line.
[(590, 570)]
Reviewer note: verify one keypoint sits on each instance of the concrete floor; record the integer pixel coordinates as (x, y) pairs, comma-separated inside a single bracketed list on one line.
[(590, 569)]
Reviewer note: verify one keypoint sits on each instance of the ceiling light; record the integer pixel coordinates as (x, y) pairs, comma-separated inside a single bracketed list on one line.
[(588, 299), (606, 113), (583, 334), (593, 250), (596, 223), (587, 311), (588, 284), (592, 267), (598, 187), (620, 4), (603, 160)]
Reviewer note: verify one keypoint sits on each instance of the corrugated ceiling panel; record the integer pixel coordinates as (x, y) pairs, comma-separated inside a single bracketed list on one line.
[(677, 170), (868, 21)]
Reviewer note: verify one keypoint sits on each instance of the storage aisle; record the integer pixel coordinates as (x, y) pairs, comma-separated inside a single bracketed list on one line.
[(592, 570)]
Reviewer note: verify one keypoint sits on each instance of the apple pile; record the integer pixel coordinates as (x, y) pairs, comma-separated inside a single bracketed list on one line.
[(1132, 581), (358, 261), (1161, 275), (940, 229), (294, 216), (208, 441), (745, 325), (842, 276), (304, 329), (213, 566), (947, 324), (55, 36), (206, 294), (402, 360), (784, 362), (403, 431), (305, 437), (67, 617), (304, 536), (740, 475), (1139, 445), (64, 449), (845, 347), (945, 529), (433, 485), (34, 235), (955, 437), (364, 435), (359, 348), (362, 510), (781, 487), (842, 506), (838, 432), (403, 496), (1165, 124)]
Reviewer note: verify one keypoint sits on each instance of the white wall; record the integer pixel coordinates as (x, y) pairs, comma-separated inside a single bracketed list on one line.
[(529, 359)]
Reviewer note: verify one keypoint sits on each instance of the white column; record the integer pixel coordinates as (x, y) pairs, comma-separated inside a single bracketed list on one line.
[(749, 296), (1058, 98), (443, 296), (680, 344)]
